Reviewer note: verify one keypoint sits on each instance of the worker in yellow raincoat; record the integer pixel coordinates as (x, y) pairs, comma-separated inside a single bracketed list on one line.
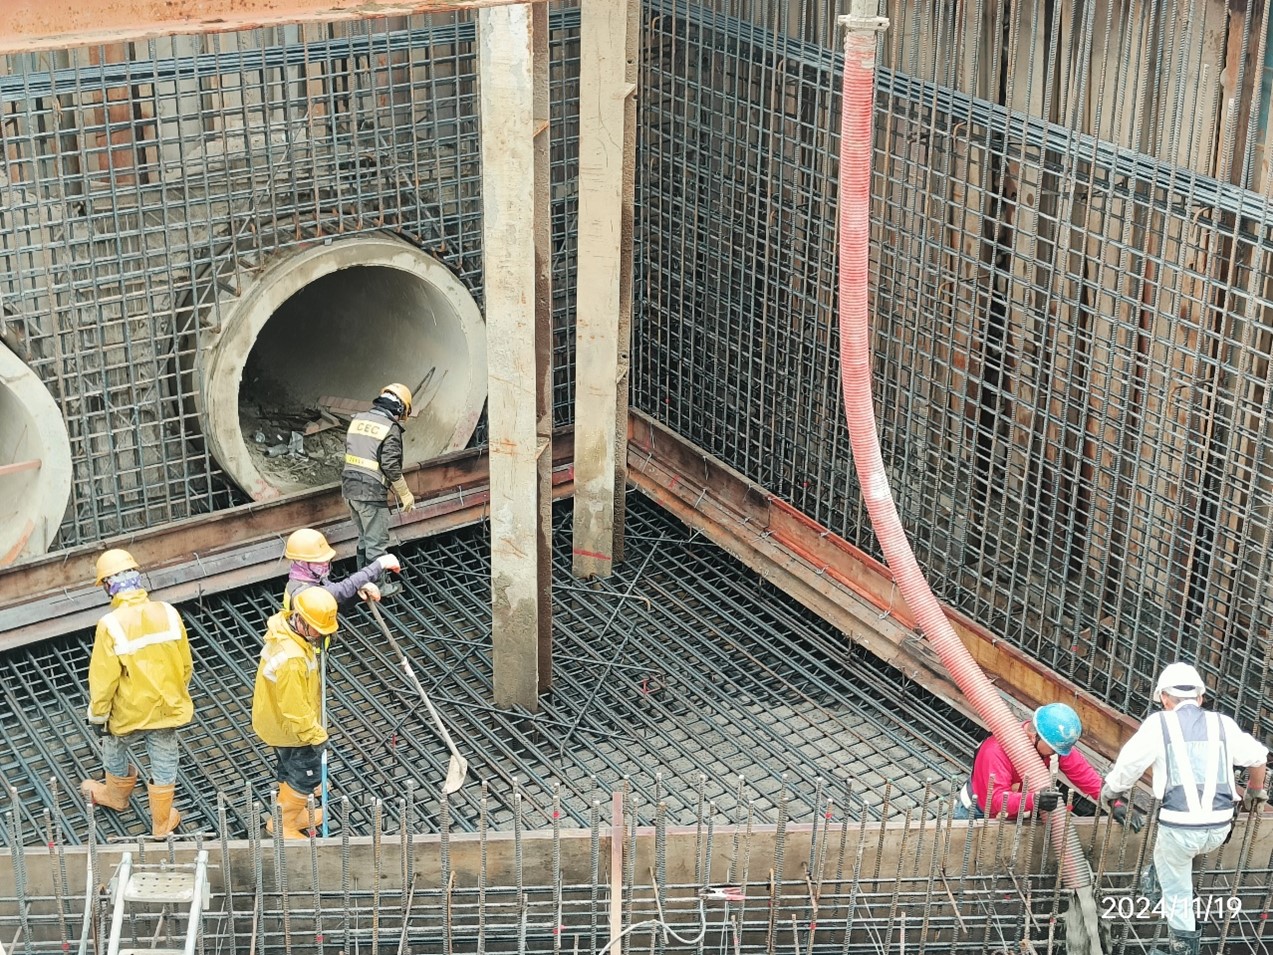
[(139, 690), (287, 702)]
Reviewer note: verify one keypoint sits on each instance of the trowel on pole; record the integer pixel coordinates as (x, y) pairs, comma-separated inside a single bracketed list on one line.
[(459, 766)]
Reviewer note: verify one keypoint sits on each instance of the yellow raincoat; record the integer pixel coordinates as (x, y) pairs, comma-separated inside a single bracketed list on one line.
[(139, 673), (286, 702)]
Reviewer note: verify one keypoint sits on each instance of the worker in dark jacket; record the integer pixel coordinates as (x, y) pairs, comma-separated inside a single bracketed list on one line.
[(373, 465), (311, 558)]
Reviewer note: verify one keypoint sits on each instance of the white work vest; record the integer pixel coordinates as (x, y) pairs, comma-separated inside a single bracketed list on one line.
[(1199, 786)]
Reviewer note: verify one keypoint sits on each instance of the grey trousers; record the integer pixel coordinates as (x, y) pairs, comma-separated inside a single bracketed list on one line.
[(161, 747), (371, 520)]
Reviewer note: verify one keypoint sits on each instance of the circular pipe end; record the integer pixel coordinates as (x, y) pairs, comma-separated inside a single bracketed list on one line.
[(35, 462), (325, 328)]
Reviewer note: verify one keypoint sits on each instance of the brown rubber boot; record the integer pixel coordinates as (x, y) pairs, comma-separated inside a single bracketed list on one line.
[(113, 793), (163, 818)]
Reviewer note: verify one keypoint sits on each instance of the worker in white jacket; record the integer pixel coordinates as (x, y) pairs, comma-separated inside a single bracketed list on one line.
[(1193, 754)]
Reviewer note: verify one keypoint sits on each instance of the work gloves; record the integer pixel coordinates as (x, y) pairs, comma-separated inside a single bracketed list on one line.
[(98, 723), (1122, 811), (406, 500), (1253, 800), (389, 562), (1046, 800), (369, 592)]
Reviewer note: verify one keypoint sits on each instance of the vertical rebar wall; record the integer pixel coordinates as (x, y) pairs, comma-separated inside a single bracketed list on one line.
[(139, 182), (1072, 316)]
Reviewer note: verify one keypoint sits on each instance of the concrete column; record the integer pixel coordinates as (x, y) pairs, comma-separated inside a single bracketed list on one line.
[(513, 83), (607, 159)]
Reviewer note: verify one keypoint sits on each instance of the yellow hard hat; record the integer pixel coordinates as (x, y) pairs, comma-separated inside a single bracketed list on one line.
[(113, 561), (317, 608), (402, 393), (310, 546)]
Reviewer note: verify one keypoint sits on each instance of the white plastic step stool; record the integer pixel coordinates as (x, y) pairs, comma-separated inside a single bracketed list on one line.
[(164, 884)]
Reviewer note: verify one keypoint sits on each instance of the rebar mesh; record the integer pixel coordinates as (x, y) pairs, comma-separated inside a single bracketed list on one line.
[(683, 667), (140, 183), (1072, 329)]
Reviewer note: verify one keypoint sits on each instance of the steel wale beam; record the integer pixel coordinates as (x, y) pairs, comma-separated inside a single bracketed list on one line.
[(242, 545), (838, 581), (27, 26)]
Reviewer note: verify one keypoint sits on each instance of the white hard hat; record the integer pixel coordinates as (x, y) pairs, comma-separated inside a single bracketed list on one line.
[(1182, 680)]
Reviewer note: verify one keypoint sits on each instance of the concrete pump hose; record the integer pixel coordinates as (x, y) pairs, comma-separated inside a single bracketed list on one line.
[(855, 358)]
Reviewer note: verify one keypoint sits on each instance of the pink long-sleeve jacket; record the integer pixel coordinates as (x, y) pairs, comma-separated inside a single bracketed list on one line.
[(992, 759)]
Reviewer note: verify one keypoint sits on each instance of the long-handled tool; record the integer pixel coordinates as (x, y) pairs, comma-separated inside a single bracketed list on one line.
[(322, 715), (459, 766)]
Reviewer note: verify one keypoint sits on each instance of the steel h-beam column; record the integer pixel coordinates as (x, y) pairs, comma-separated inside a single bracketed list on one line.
[(513, 77), (608, 32)]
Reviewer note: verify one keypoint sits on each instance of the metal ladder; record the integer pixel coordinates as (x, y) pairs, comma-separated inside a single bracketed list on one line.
[(162, 884)]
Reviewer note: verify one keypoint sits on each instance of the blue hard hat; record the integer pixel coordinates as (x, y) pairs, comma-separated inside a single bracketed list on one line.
[(1058, 726)]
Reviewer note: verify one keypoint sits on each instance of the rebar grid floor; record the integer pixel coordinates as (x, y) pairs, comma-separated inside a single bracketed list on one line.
[(684, 671)]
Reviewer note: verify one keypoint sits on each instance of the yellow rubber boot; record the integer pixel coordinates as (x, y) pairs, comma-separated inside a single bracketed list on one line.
[(295, 820), (113, 793), (295, 816), (163, 818)]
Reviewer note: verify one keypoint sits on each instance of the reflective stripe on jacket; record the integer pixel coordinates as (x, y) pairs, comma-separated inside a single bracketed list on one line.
[(1199, 789), (139, 672), (367, 433), (287, 698)]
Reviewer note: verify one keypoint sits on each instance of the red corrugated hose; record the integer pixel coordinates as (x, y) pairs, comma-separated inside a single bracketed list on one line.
[(855, 369)]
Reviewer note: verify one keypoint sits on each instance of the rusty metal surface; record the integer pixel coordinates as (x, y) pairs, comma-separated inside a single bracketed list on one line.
[(839, 582), (49, 597), (30, 25)]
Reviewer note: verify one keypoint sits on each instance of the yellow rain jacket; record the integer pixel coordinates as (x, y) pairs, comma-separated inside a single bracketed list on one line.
[(139, 673), (286, 703)]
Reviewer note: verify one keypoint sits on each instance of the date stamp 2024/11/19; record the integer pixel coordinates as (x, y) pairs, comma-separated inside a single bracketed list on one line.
[(1205, 907)]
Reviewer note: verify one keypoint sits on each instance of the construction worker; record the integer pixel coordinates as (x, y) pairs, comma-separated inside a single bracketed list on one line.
[(138, 690), (1193, 754), (287, 702), (311, 558), (373, 463), (1054, 728)]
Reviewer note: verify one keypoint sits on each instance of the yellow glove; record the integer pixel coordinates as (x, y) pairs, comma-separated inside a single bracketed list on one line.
[(406, 500)]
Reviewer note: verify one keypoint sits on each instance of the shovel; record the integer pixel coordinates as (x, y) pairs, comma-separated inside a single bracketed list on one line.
[(459, 766)]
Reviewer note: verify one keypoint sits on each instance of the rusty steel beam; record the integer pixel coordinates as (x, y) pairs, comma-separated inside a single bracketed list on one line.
[(242, 545), (30, 25), (839, 582)]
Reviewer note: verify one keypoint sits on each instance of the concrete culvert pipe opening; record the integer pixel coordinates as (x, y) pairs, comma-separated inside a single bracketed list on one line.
[(35, 462), (339, 321)]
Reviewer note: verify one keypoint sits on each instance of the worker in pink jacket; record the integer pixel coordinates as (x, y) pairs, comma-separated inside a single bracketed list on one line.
[(1055, 728)]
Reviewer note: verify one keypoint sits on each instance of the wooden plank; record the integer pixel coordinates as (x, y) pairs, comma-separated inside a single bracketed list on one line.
[(606, 162), (541, 229), (30, 25), (507, 86)]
